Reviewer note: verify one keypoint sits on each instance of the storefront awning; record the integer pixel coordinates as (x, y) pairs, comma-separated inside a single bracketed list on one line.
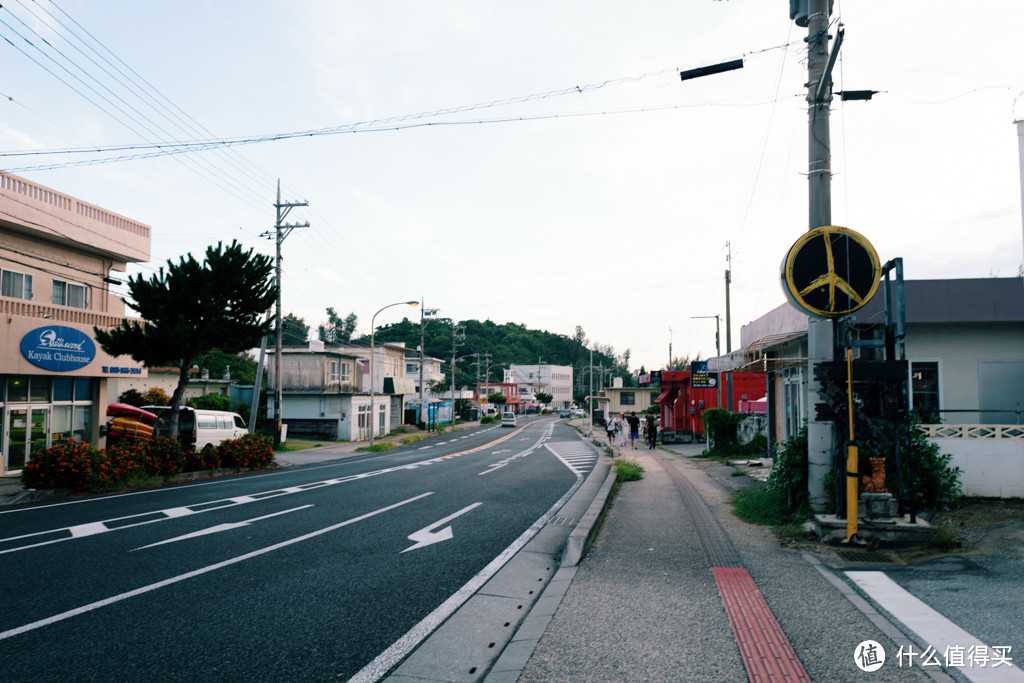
[(664, 393)]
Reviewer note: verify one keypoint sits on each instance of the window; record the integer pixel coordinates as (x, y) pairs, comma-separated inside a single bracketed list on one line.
[(17, 285), (411, 367), (68, 294), (627, 398), (924, 382), (345, 373), (335, 372)]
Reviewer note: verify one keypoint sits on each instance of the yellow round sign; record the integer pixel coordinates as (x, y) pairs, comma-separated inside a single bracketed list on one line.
[(830, 271)]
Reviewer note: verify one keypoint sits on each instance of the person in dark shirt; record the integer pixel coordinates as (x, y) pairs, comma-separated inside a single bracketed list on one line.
[(651, 432), (634, 428)]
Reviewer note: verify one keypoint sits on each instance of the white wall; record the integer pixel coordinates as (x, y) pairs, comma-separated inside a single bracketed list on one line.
[(990, 468)]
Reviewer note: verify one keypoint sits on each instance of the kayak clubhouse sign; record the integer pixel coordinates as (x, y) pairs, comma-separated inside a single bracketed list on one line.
[(58, 348)]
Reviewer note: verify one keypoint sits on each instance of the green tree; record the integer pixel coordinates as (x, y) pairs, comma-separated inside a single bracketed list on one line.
[(193, 307), (337, 330), (497, 398), (544, 398), (242, 365), (210, 402), (295, 331)]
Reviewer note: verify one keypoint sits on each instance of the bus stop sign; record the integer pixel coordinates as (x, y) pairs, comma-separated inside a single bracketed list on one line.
[(830, 271)]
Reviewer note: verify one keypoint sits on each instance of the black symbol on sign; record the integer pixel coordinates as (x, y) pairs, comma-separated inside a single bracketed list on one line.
[(831, 271)]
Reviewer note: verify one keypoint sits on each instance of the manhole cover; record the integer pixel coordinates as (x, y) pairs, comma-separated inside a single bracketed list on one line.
[(862, 556)]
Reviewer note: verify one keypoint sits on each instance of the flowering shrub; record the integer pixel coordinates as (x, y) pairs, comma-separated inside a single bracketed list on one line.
[(65, 464), (206, 459), (162, 456), (250, 450), (124, 459)]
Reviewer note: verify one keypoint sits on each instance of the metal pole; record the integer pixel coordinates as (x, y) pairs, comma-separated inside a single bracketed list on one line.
[(373, 362)]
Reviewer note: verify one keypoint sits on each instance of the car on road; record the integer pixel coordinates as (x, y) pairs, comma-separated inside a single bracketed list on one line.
[(577, 412), (508, 419), (564, 413)]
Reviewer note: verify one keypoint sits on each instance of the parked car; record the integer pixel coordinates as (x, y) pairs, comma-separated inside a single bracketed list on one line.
[(198, 427), (576, 412), (508, 419), (564, 413)]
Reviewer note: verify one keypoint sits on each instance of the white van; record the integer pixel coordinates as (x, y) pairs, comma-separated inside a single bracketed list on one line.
[(198, 427)]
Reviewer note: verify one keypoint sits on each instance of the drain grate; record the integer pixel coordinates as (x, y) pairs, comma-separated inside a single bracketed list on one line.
[(863, 556)]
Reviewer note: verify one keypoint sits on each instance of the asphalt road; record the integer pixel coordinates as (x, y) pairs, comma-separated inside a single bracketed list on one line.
[(307, 573)]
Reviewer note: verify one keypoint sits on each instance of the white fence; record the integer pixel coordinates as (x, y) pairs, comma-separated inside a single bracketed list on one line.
[(990, 457)]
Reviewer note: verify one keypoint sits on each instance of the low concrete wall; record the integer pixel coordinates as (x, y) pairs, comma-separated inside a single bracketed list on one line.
[(990, 468)]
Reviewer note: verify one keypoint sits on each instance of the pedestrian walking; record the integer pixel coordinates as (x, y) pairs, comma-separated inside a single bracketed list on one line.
[(634, 428), (609, 428), (651, 432), (623, 433)]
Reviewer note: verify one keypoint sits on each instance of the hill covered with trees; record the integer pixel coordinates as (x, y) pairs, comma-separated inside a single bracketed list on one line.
[(498, 346)]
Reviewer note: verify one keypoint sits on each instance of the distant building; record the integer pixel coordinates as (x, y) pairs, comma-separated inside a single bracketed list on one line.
[(549, 379), (58, 258)]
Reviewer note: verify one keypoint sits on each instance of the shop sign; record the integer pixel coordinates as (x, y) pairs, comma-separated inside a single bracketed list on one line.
[(700, 378), (58, 348)]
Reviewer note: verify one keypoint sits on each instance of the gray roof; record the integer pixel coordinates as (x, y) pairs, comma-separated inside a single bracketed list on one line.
[(977, 300), (947, 302)]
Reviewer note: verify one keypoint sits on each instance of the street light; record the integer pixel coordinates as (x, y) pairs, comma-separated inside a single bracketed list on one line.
[(373, 358)]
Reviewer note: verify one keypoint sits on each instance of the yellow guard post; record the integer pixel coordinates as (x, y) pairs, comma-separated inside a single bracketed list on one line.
[(851, 457)]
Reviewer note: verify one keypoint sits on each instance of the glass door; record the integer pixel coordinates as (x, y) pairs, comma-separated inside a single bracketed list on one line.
[(27, 430)]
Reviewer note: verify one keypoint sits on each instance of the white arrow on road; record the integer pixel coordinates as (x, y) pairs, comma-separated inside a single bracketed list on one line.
[(222, 527), (427, 536)]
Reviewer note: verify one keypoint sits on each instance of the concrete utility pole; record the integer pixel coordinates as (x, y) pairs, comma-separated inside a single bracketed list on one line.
[(820, 337), (728, 331), (281, 231), (424, 313)]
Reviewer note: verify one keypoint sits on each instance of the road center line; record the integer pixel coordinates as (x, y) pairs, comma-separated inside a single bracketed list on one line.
[(199, 572)]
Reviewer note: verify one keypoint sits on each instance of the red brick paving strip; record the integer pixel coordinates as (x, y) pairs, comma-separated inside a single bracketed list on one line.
[(765, 649)]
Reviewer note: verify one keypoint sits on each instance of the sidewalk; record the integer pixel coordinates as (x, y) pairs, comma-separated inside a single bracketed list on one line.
[(649, 601)]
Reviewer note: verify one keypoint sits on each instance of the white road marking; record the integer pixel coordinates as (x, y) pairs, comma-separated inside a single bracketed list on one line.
[(427, 536), (400, 649), (222, 527), (198, 572), (935, 629)]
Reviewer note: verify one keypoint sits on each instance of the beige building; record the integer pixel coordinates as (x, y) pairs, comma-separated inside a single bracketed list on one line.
[(58, 258), (627, 399)]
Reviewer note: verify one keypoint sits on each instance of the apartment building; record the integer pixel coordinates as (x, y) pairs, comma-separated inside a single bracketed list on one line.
[(59, 257)]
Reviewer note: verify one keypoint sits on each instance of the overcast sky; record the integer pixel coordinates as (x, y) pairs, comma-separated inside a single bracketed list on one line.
[(530, 162)]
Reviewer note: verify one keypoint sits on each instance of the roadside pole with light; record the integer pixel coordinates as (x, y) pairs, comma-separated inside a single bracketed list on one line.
[(373, 362)]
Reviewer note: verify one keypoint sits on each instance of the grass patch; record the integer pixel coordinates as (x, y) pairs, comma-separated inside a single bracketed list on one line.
[(412, 438), (760, 506), (297, 445), (628, 470), (378, 447), (944, 537)]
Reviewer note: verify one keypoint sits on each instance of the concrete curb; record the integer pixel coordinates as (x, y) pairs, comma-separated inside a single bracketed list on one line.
[(583, 535)]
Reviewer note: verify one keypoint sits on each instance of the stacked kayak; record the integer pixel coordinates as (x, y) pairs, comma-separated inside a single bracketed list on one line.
[(129, 422)]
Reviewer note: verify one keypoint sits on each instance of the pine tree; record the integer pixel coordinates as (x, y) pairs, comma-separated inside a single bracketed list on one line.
[(192, 307)]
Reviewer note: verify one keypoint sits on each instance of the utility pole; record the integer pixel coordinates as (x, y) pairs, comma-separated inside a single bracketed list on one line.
[(458, 336), (728, 328), (669, 366), (281, 231), (820, 332), (424, 312)]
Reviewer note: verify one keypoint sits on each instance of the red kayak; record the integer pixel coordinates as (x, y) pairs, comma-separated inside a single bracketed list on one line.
[(125, 410)]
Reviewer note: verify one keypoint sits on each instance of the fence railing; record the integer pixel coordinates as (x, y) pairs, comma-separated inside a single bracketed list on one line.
[(57, 314), (972, 431)]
